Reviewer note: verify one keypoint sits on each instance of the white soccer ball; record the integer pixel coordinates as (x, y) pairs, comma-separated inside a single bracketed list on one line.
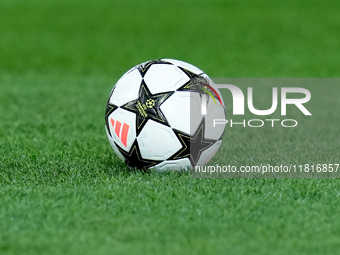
[(160, 115)]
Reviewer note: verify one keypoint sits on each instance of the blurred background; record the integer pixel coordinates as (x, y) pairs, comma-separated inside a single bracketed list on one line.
[(224, 38)]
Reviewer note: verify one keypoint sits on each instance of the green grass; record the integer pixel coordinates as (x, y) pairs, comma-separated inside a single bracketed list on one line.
[(62, 191)]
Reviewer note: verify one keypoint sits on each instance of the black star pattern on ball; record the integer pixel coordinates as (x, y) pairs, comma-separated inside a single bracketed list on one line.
[(134, 158), (189, 73), (147, 106), (109, 109), (143, 68), (192, 146)]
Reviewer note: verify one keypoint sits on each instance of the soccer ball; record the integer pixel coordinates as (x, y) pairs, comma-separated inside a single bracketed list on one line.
[(160, 115)]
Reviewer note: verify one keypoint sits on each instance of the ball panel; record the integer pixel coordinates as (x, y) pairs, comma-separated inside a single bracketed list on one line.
[(126, 89), (173, 165), (157, 141), (164, 77), (122, 128), (113, 145), (182, 111)]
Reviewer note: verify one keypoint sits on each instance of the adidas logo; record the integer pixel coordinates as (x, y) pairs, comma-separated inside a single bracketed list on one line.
[(121, 130)]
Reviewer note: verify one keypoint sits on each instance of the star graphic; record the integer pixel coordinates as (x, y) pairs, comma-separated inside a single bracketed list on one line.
[(192, 146), (144, 110), (143, 68), (134, 158), (189, 73)]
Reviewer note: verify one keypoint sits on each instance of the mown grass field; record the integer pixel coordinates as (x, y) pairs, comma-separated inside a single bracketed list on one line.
[(62, 191)]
